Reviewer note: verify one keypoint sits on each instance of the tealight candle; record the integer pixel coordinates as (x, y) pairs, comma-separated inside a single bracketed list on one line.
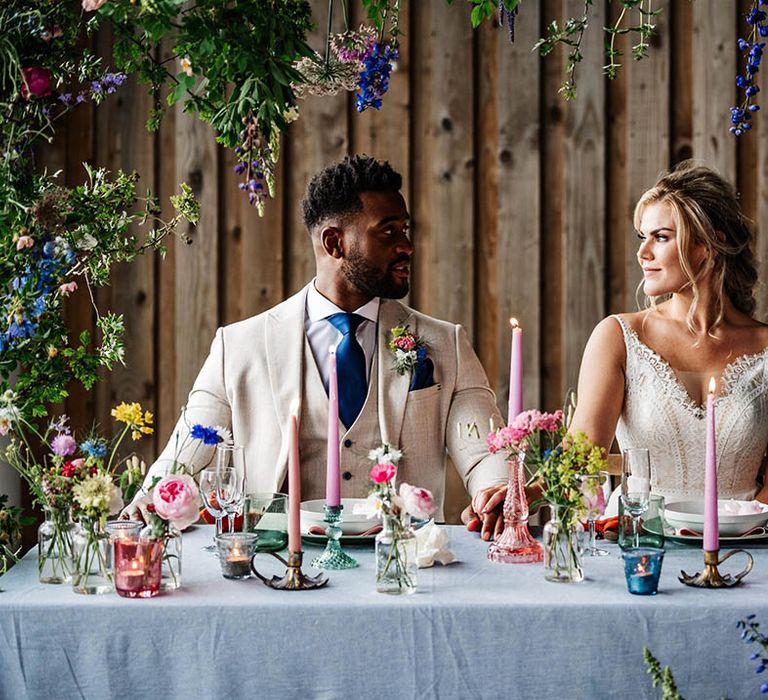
[(642, 568), (235, 552)]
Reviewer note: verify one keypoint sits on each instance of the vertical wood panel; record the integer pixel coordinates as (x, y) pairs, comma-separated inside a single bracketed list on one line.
[(648, 138), (165, 279), (584, 225), (319, 137), (508, 279), (553, 217), (714, 86), (445, 221), (120, 145), (196, 313)]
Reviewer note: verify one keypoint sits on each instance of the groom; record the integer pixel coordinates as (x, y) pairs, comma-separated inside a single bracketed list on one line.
[(260, 367)]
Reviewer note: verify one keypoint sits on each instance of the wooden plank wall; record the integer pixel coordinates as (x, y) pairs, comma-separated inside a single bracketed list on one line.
[(521, 202)]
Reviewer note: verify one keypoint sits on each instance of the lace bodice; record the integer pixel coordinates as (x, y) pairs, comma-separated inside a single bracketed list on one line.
[(659, 414)]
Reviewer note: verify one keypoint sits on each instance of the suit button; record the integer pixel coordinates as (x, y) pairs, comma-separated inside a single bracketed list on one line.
[(347, 443), (346, 476)]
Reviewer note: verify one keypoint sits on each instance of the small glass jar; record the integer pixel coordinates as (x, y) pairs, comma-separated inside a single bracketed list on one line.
[(235, 552), (56, 547), (396, 556), (137, 565), (562, 538)]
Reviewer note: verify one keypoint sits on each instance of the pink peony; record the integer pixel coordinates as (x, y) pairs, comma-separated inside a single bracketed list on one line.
[(405, 342), (176, 499), (417, 501), (383, 472), (92, 5), (63, 445), (36, 81), (67, 288)]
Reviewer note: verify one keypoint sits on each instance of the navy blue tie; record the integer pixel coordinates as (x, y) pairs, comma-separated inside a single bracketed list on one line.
[(350, 367)]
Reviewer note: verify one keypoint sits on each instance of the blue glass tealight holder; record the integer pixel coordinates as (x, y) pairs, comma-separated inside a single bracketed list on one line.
[(642, 567)]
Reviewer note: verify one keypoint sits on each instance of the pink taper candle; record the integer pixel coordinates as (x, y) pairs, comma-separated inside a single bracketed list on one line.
[(515, 373), (332, 482), (711, 541), (294, 482)]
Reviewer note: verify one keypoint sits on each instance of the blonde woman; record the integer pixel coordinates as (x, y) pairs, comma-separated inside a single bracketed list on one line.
[(645, 375)]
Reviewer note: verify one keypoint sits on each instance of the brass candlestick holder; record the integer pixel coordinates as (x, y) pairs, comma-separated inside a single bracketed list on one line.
[(711, 577), (294, 579), (333, 557)]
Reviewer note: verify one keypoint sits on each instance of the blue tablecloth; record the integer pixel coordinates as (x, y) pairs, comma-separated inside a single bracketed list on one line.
[(473, 630)]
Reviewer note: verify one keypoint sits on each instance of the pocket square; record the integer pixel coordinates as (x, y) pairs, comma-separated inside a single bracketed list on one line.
[(422, 375)]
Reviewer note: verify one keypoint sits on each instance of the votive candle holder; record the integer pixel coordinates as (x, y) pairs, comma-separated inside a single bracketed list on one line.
[(642, 569), (138, 565), (235, 552)]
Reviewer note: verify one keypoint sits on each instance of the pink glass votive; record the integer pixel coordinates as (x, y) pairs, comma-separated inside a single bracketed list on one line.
[(138, 565)]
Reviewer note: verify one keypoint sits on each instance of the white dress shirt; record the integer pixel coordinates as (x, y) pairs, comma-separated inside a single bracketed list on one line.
[(321, 333)]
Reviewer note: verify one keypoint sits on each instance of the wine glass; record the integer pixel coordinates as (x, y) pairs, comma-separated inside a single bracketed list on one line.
[(595, 491), (210, 492), (231, 458), (635, 486)]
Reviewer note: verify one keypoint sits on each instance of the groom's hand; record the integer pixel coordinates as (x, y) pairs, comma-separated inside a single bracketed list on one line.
[(484, 512)]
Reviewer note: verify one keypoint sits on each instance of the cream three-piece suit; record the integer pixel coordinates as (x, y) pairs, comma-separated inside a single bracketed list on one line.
[(258, 368)]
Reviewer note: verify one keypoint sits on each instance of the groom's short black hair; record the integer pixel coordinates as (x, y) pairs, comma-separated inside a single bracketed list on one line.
[(335, 190)]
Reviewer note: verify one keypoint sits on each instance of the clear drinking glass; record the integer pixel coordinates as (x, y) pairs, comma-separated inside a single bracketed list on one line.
[(595, 492), (635, 486), (210, 492), (232, 496)]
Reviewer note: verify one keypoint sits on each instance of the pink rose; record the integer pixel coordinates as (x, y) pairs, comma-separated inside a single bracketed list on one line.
[(417, 501), (36, 81), (92, 5), (405, 342), (67, 288), (176, 499), (383, 472)]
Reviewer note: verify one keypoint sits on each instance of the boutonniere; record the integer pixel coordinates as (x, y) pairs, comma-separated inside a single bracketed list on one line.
[(409, 350)]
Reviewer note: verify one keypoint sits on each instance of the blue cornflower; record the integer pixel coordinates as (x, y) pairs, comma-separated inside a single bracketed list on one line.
[(208, 435), (764, 688), (96, 448)]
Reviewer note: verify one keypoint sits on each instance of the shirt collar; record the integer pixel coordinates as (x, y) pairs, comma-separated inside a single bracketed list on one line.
[(319, 307)]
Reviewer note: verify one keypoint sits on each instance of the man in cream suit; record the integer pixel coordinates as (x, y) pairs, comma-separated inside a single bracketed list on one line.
[(259, 368)]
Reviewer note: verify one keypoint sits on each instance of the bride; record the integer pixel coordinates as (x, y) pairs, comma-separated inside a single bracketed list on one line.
[(645, 375)]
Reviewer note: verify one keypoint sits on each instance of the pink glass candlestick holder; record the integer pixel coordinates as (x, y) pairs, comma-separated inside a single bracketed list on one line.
[(516, 545), (138, 565)]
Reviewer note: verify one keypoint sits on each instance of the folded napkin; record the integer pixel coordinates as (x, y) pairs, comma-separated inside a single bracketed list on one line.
[(432, 542), (688, 532)]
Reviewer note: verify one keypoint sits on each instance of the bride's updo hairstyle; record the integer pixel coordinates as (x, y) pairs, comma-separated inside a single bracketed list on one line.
[(706, 211)]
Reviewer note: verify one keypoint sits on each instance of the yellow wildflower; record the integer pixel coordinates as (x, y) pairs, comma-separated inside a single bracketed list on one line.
[(135, 418)]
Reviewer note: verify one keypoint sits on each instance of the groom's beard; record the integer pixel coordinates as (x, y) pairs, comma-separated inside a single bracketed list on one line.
[(372, 281)]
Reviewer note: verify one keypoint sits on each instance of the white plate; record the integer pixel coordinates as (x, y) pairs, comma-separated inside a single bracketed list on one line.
[(670, 535), (312, 516), (690, 514)]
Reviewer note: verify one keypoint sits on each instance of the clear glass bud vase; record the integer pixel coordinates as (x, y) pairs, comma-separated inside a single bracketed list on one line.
[(396, 556), (170, 578), (563, 536), (93, 559), (55, 552)]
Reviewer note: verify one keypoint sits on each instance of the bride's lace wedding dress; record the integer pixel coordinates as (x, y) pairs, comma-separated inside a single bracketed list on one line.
[(659, 414)]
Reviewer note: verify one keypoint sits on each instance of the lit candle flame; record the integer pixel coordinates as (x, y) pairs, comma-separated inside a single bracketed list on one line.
[(513, 322), (712, 385), (642, 567), (134, 565)]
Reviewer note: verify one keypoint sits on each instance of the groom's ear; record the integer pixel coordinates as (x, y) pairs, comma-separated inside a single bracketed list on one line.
[(332, 241)]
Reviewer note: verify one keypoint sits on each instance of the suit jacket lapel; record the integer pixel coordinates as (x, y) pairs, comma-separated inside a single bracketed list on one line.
[(284, 341), (393, 387)]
